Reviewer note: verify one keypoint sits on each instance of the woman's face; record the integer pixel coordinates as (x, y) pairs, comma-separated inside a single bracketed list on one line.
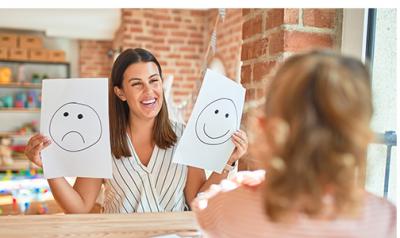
[(142, 89)]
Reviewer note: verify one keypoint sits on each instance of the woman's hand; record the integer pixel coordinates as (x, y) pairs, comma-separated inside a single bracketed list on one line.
[(35, 145), (239, 138)]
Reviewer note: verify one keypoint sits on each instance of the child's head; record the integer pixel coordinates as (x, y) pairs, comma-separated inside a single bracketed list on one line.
[(136, 92), (317, 116)]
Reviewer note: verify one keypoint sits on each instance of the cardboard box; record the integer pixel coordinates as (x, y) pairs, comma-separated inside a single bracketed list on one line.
[(17, 54), (8, 40), (56, 56), (38, 55), (30, 42), (3, 53)]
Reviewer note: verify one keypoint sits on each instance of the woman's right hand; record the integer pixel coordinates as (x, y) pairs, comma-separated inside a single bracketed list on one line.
[(35, 145)]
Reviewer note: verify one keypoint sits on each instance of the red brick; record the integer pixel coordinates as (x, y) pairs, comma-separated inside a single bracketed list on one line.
[(323, 18), (188, 49), (245, 74), (179, 33), (176, 41), (250, 94), (183, 63), (261, 69), (247, 49), (296, 41), (126, 13), (133, 22), (161, 17), (246, 11), (274, 18), (291, 16), (276, 43), (158, 40), (170, 25), (196, 35), (158, 32), (252, 26), (192, 56), (195, 42), (174, 56), (197, 13), (260, 47), (136, 29)]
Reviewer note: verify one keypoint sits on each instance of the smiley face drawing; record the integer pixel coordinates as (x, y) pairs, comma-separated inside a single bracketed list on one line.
[(75, 127), (217, 122)]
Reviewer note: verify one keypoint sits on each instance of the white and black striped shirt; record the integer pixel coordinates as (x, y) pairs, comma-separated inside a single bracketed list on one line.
[(155, 188)]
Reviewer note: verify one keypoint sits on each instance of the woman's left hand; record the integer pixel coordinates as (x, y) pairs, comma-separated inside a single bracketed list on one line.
[(239, 138)]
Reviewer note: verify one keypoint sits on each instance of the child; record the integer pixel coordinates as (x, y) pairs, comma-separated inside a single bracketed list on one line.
[(313, 138)]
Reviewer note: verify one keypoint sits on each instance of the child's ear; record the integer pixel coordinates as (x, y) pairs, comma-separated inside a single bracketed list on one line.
[(120, 93), (279, 130)]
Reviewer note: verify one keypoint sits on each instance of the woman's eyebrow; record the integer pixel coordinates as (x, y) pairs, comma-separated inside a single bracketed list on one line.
[(153, 75), (132, 79)]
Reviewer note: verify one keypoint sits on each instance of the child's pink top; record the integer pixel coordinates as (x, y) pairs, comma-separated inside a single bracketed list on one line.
[(236, 210)]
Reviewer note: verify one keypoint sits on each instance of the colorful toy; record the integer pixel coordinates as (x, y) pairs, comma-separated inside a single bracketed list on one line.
[(5, 75), (5, 151)]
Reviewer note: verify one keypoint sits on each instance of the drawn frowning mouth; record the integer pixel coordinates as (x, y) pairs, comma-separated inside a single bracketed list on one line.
[(217, 137), (83, 139)]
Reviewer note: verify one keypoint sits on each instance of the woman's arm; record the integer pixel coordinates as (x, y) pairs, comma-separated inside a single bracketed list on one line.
[(196, 180), (77, 199)]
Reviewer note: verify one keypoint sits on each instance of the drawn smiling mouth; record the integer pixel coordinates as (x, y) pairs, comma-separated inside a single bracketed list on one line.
[(76, 133), (217, 137)]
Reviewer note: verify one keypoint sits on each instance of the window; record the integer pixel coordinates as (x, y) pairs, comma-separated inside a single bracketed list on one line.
[(370, 34)]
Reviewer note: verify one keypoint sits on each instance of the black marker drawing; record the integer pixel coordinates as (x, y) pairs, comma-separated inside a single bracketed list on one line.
[(75, 127), (220, 117)]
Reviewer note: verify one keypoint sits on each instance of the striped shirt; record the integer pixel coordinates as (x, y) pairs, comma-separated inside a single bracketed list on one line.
[(157, 187), (238, 212)]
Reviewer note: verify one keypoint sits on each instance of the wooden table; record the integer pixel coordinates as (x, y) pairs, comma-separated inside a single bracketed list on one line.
[(100, 225)]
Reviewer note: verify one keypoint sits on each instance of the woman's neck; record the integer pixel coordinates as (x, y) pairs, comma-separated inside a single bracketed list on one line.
[(141, 128)]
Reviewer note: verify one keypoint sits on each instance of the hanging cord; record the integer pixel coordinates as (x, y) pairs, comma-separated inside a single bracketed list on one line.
[(213, 41), (212, 46)]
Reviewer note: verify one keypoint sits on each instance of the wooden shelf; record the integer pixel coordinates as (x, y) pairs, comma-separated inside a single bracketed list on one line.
[(14, 109), (19, 164), (14, 134), (33, 62), (21, 85)]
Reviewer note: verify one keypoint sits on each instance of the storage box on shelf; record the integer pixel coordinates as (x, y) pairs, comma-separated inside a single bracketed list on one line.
[(3, 53), (56, 56), (8, 40), (38, 55), (30, 42), (17, 54)]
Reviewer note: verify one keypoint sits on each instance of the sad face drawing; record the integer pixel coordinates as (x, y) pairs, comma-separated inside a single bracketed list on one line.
[(217, 122), (75, 127)]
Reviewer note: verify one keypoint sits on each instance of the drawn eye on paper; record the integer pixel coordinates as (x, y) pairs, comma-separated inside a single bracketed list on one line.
[(75, 127), (217, 122)]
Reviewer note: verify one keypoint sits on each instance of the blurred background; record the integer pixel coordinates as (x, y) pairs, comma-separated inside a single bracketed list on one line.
[(246, 45)]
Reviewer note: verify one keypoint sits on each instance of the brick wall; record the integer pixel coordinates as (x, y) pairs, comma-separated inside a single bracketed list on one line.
[(229, 39), (178, 38), (175, 36), (93, 58), (271, 35)]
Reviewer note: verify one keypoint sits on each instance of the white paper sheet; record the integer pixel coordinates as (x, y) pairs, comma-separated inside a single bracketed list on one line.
[(206, 142), (74, 116)]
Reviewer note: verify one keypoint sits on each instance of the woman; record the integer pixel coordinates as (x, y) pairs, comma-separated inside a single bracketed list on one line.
[(143, 141), (313, 138)]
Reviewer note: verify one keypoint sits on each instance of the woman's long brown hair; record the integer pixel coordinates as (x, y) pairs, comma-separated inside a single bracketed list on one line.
[(163, 134), (325, 100)]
